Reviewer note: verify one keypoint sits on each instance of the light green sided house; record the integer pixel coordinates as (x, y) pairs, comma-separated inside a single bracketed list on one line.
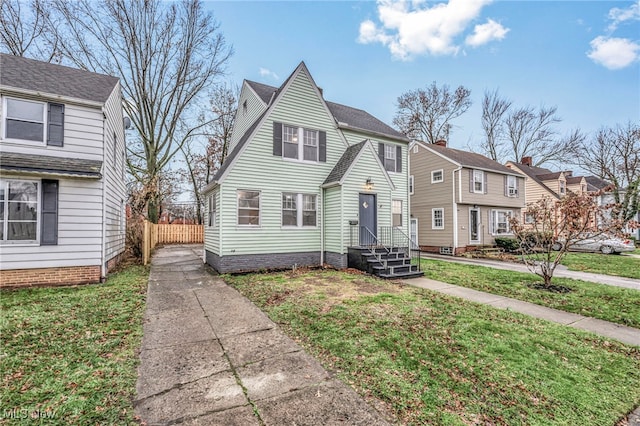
[(305, 180)]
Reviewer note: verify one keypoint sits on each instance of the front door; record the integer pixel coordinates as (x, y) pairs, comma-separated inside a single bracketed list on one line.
[(368, 219), (474, 226), (414, 233)]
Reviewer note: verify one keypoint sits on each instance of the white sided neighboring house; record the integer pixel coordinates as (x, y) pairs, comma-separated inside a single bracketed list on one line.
[(306, 180), (62, 166), (461, 200)]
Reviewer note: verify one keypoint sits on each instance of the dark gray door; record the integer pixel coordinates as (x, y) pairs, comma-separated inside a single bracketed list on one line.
[(368, 219)]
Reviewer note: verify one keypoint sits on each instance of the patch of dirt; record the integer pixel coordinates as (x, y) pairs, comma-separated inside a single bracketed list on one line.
[(278, 298), (553, 288)]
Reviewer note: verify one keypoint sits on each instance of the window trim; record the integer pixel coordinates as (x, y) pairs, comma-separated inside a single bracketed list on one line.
[(45, 121), (393, 205), (480, 173), (392, 149), (248, 225), (301, 143), (562, 187), (213, 211), (433, 172), (512, 190), (433, 218), (300, 209), (494, 221), (5, 222)]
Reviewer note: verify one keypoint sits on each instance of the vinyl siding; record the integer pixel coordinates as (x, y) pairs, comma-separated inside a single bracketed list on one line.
[(243, 121), (79, 231), (486, 238), (114, 176), (427, 196), (494, 195), (259, 170), (335, 225), (212, 233)]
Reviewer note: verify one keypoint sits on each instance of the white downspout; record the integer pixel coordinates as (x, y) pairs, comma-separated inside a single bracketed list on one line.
[(455, 206), (321, 203), (103, 260)]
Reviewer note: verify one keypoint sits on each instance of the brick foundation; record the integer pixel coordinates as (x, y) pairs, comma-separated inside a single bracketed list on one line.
[(256, 262), (40, 277), (436, 249)]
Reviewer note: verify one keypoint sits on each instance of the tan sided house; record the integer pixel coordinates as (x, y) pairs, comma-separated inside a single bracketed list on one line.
[(62, 191), (460, 200)]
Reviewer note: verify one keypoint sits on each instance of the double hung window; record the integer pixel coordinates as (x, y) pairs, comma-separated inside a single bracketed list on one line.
[(298, 210), (249, 208)]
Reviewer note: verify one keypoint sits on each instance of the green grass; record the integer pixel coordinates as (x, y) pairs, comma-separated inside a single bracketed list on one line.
[(619, 265), (69, 354), (426, 358), (615, 304)]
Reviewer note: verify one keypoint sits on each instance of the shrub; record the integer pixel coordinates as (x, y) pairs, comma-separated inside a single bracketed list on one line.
[(507, 243)]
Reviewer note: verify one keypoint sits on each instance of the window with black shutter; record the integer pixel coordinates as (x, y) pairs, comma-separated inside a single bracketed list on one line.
[(49, 213)]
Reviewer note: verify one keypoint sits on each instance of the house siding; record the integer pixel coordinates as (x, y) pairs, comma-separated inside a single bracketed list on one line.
[(494, 195), (243, 121), (212, 233), (334, 224)]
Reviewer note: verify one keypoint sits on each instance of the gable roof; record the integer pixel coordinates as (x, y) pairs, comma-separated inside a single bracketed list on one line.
[(345, 116), (531, 174), (594, 183), (348, 160), (32, 75), (469, 159), (549, 176), (574, 179)]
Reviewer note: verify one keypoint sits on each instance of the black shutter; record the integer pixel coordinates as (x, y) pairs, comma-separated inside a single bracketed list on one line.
[(49, 225), (398, 159), (322, 155), (381, 153), (277, 139), (55, 125)]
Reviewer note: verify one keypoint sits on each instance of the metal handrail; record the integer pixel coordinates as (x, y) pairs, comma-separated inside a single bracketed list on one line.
[(387, 238), (411, 246)]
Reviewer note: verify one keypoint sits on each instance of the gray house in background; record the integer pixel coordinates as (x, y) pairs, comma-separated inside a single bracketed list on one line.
[(62, 166)]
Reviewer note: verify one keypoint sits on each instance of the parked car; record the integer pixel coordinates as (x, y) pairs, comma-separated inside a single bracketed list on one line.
[(602, 243)]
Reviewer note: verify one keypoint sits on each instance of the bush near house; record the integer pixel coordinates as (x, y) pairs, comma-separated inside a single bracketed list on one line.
[(507, 244)]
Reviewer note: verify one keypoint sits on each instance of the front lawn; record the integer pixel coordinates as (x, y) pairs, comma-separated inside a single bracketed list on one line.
[(615, 304), (69, 354), (428, 358), (620, 265)]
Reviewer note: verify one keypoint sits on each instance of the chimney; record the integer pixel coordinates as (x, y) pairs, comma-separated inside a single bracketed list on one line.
[(527, 161), (441, 142)]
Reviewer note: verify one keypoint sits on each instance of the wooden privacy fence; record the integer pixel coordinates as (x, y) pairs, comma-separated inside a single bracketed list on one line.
[(155, 234)]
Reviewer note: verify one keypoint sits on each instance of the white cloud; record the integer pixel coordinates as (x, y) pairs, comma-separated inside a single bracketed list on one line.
[(614, 53), (414, 28), (484, 33), (268, 73), (618, 16)]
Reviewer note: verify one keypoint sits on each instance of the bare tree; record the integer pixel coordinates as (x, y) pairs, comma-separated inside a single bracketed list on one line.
[(532, 133), (202, 160), (426, 114), (493, 110), (166, 54), (22, 30), (614, 155), (552, 225)]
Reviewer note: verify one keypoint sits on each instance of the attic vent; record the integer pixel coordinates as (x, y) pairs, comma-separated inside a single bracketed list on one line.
[(446, 250)]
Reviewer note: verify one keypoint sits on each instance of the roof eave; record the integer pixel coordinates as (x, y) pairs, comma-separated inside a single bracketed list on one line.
[(372, 132), (17, 91)]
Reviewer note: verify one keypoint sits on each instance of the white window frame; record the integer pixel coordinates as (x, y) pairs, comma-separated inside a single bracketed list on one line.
[(528, 218), (478, 174), (302, 140), (6, 116), (4, 184), (259, 208), (512, 186), (562, 187), (412, 183), (433, 176), (494, 221), (301, 208), (213, 211), (434, 218), (390, 154), (395, 212)]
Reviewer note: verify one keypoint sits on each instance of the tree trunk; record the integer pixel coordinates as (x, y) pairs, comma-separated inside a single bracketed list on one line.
[(153, 209)]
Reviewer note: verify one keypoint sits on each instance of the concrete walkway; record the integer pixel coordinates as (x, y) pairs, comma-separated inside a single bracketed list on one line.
[(628, 335), (211, 357), (561, 270)]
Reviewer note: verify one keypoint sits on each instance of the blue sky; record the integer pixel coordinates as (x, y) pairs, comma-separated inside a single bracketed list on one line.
[(581, 56)]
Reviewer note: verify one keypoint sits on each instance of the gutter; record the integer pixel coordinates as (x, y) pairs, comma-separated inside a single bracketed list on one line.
[(322, 227), (103, 260)]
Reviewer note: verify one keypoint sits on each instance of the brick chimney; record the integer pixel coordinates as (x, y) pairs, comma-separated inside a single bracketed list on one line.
[(441, 142), (527, 161)]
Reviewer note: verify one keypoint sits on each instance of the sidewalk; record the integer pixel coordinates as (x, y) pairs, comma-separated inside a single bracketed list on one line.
[(561, 271), (211, 357), (628, 335)]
